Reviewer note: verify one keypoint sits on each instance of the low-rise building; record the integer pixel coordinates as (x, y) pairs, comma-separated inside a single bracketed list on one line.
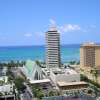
[(6, 89), (72, 86), (65, 75), (67, 79)]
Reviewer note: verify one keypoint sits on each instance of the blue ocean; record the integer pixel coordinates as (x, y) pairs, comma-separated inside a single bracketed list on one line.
[(68, 53)]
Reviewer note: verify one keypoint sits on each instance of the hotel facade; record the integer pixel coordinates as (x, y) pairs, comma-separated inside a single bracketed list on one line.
[(52, 48), (90, 55)]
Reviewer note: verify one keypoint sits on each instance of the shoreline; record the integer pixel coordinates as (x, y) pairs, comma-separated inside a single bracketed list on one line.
[(15, 61)]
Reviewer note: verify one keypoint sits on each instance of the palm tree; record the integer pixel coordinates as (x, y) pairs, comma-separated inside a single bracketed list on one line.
[(38, 63), (95, 73), (73, 62)]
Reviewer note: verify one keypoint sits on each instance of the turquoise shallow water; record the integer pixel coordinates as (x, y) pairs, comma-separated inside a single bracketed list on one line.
[(68, 52)]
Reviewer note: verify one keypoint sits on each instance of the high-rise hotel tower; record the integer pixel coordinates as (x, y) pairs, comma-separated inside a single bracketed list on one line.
[(90, 55), (52, 48)]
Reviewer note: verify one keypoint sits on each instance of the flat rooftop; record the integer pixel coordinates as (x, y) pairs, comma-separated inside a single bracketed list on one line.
[(66, 71), (90, 44), (39, 81), (70, 71), (70, 83)]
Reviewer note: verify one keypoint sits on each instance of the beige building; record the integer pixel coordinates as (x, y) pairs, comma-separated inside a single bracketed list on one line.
[(90, 55), (72, 86)]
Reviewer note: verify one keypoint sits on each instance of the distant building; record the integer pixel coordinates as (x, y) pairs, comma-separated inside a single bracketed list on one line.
[(90, 55), (52, 48), (3, 71)]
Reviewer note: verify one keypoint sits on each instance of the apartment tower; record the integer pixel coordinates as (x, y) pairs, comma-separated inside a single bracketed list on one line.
[(90, 55), (52, 48)]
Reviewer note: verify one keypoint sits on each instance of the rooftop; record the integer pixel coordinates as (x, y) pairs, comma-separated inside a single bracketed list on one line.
[(39, 81), (53, 28), (90, 44), (67, 71), (32, 70), (70, 83)]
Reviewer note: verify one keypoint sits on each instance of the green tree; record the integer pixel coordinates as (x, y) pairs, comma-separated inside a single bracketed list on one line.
[(19, 83), (95, 73), (72, 62), (89, 91), (38, 63), (37, 91), (51, 93), (1, 94), (40, 94)]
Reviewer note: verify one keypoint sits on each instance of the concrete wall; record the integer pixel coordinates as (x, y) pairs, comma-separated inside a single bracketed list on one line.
[(53, 77), (81, 57), (97, 56)]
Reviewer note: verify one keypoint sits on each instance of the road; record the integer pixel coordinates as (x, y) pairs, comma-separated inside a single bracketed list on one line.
[(26, 96)]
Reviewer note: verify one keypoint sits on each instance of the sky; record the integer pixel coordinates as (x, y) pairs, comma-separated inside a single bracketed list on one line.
[(24, 22)]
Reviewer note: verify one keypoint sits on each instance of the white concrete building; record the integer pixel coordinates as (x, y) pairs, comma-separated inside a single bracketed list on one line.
[(66, 79), (52, 48), (6, 88), (34, 73), (64, 75)]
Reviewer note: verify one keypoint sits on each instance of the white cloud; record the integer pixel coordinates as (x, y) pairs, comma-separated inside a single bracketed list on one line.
[(65, 28), (69, 28), (28, 34)]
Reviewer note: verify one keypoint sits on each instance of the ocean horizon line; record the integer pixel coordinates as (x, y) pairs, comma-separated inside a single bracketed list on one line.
[(34, 45)]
